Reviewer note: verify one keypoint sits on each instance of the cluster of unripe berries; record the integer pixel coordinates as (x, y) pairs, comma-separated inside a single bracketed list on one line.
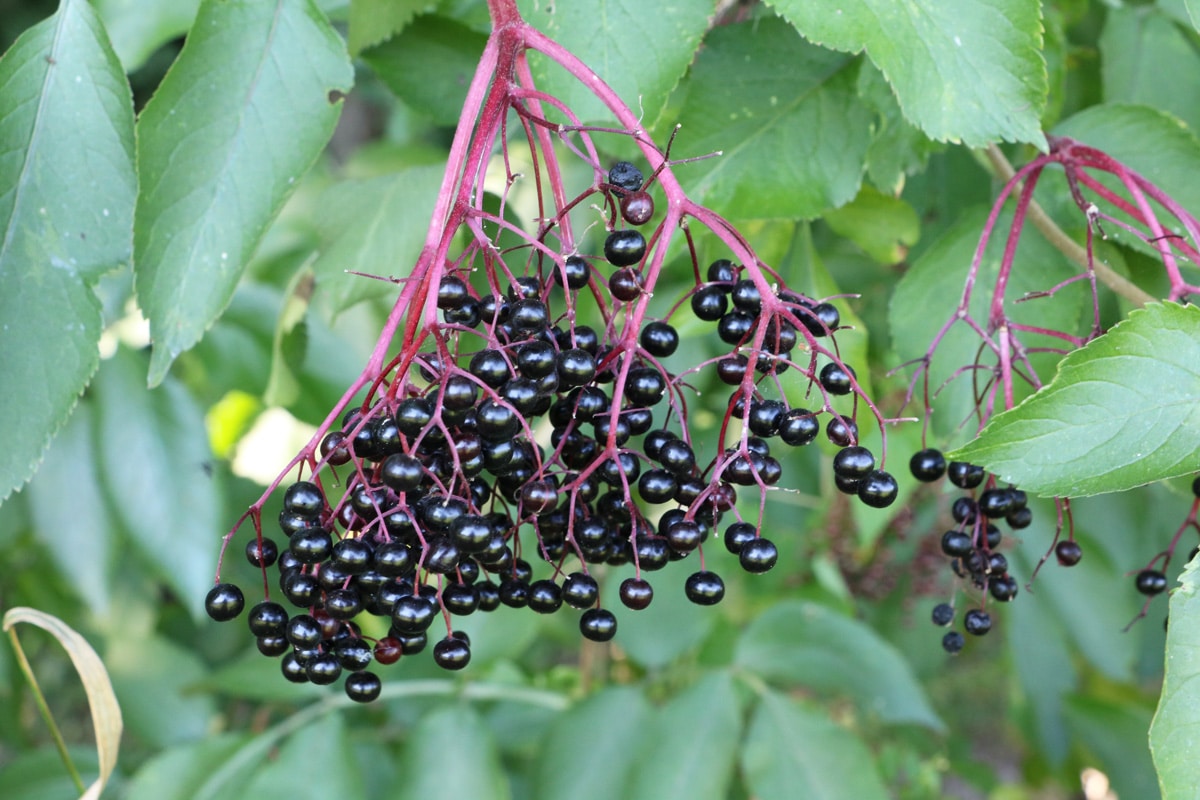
[(518, 436)]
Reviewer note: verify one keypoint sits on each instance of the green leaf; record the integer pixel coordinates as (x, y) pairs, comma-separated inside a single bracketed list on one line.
[(67, 191), (640, 55), (925, 299), (177, 772), (139, 27), (806, 644), (1120, 413), (359, 233), (290, 342), (791, 751), (1115, 732), (374, 21), (295, 772), (898, 148), (785, 116), (970, 71), (1150, 141), (154, 454), (1137, 48), (78, 534), (589, 752), (430, 65), (695, 744), (1172, 732), (151, 676), (884, 227), (216, 163), (451, 754), (1193, 10)]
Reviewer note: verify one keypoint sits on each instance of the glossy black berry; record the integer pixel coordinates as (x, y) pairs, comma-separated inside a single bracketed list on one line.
[(303, 631), (735, 327), (943, 614), (413, 614), (1003, 587), (598, 625), (625, 175), (626, 284), (576, 270), (311, 545), (624, 247), (490, 367), (823, 318), (293, 669), (1019, 518), (964, 475), (324, 669), (709, 303), (452, 653), (363, 687), (636, 593), (964, 510), (704, 588), (953, 642), (1151, 582), (746, 296), (853, 462), (842, 431), (927, 465), (799, 427), (580, 590), (224, 602), (545, 596), (720, 271), (644, 386), (262, 554), (677, 457), (267, 618), (878, 489), (996, 503), (977, 622), (956, 544), (758, 555), (304, 498), (836, 378), (1068, 552), (659, 339)]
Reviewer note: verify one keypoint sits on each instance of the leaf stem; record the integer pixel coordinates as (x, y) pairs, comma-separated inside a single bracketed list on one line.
[(1065, 244), (40, 700)]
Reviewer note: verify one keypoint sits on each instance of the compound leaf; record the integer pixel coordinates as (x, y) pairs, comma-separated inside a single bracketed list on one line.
[(67, 190), (810, 645), (969, 71), (1120, 413), (785, 116), (243, 113)]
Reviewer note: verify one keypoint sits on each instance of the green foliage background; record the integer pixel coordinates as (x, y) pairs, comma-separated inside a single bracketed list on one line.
[(222, 188)]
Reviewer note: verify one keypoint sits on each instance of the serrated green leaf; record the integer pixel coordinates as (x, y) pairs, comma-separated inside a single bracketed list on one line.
[(589, 752), (451, 754), (67, 191), (294, 772), (884, 227), (925, 299), (1172, 734), (78, 534), (177, 772), (791, 751), (429, 65), (806, 644), (970, 71), (898, 148), (240, 117), (153, 454), (694, 744), (1115, 732), (640, 55), (375, 21), (1137, 48), (1150, 141), (785, 116), (360, 232), (1120, 413), (139, 27)]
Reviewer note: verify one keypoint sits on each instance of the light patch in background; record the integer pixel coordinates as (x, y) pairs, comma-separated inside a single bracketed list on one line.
[(1095, 785), (272, 441)]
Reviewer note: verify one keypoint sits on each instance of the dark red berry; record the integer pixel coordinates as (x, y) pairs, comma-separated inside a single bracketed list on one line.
[(1068, 552)]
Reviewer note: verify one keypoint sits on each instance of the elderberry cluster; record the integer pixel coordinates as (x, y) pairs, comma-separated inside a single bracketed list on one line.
[(973, 544), (514, 453)]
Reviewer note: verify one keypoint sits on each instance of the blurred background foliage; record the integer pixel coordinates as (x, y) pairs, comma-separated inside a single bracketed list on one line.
[(824, 674)]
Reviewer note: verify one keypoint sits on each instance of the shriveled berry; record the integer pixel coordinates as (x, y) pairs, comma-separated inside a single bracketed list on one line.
[(943, 614), (625, 175)]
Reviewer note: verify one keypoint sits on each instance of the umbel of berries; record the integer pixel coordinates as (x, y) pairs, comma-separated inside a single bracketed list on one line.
[(524, 426)]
